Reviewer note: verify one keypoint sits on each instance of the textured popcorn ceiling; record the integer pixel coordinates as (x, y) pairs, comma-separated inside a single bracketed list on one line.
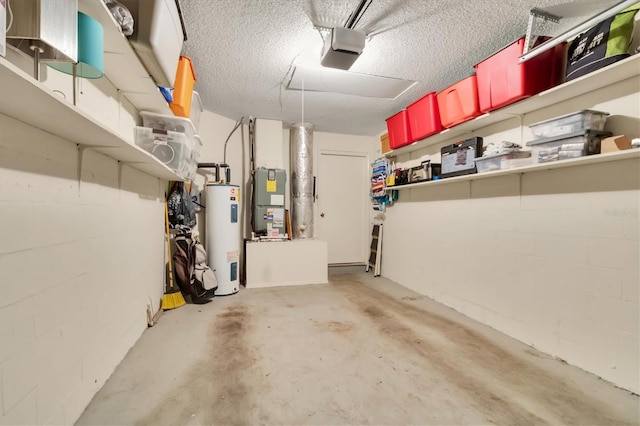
[(244, 50)]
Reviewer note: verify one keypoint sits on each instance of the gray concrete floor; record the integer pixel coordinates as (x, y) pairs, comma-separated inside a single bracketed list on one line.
[(360, 350)]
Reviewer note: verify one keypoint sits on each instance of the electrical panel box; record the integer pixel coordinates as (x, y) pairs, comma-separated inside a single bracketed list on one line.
[(268, 202)]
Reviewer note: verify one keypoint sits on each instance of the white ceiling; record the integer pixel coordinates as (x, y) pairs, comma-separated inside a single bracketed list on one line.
[(244, 50)]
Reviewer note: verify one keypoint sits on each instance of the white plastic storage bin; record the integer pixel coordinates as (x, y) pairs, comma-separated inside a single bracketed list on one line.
[(575, 122), (171, 148), (168, 122), (196, 110), (577, 144), (191, 166), (505, 160), (157, 37)]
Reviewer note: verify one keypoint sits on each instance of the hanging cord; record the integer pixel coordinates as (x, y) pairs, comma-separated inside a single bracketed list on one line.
[(238, 124), (10, 15)]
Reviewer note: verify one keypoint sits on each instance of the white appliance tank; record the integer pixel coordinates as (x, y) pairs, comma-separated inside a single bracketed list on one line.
[(223, 235)]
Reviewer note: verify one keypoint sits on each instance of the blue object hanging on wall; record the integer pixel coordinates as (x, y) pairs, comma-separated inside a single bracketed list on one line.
[(90, 50)]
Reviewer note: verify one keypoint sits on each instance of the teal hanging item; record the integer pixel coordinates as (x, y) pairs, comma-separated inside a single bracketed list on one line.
[(90, 50)]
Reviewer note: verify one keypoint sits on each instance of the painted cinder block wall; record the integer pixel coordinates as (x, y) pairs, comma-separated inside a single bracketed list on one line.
[(81, 256), (550, 258)]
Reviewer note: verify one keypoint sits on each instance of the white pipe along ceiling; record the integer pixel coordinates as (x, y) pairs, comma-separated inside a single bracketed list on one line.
[(246, 52)]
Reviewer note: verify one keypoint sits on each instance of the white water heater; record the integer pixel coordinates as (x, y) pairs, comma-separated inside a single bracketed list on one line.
[(223, 235)]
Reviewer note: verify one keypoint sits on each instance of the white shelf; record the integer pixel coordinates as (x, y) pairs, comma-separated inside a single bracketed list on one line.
[(31, 102), (582, 161), (121, 64), (620, 71)]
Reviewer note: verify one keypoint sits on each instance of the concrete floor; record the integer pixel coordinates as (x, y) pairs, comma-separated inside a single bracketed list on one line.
[(360, 350)]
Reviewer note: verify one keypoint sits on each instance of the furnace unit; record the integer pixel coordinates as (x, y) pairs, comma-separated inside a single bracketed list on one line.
[(268, 202)]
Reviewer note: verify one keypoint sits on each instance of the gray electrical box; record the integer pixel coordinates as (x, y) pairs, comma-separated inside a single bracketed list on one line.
[(268, 202)]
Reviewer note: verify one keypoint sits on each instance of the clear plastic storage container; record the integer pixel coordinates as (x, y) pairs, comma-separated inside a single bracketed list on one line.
[(573, 145), (505, 160), (171, 148), (196, 110), (191, 166), (575, 122), (168, 122)]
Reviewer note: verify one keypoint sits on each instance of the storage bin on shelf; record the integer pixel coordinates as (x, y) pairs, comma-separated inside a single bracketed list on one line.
[(502, 161), (572, 145), (424, 117), (574, 122), (168, 122), (191, 166), (502, 80), (399, 130), (459, 102), (170, 148), (183, 87)]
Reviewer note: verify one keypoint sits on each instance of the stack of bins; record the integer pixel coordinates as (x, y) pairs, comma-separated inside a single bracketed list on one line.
[(502, 79), (183, 141), (569, 136)]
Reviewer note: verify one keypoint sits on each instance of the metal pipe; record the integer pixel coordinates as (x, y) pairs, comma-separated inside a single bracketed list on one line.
[(301, 166)]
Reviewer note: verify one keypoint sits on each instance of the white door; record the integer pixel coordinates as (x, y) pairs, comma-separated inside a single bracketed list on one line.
[(341, 212)]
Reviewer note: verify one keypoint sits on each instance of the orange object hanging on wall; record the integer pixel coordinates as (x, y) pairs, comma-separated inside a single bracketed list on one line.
[(183, 87)]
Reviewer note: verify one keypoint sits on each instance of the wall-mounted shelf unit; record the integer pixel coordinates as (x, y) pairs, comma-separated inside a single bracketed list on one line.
[(582, 161), (31, 102), (121, 64), (620, 71)]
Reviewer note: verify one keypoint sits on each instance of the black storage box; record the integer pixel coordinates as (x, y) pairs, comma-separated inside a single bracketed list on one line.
[(458, 158)]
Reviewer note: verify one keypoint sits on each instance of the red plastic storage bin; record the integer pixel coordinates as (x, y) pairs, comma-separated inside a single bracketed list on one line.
[(424, 117), (502, 80), (399, 131), (459, 102)]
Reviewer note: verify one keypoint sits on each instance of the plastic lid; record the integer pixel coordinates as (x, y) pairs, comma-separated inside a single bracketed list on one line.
[(418, 100), (569, 115), (587, 133)]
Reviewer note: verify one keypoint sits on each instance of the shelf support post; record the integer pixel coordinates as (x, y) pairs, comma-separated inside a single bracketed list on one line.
[(535, 15)]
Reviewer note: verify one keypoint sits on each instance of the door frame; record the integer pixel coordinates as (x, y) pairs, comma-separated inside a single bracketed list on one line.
[(366, 214)]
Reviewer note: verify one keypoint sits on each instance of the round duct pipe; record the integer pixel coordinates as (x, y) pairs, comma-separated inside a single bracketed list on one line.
[(301, 166)]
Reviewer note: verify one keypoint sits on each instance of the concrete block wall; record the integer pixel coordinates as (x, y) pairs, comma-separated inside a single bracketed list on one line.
[(551, 258), (79, 262)]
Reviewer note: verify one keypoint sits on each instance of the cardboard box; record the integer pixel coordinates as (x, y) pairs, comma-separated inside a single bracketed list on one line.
[(384, 143), (614, 144)]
